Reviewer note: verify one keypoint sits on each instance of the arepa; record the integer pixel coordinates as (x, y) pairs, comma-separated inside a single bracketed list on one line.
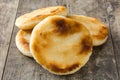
[(61, 45), (29, 20), (97, 29), (22, 42)]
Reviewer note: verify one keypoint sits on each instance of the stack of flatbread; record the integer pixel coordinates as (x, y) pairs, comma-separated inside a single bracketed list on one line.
[(59, 42)]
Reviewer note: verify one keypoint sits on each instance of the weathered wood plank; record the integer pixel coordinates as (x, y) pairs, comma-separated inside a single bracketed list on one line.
[(101, 65), (19, 67), (8, 9), (113, 10)]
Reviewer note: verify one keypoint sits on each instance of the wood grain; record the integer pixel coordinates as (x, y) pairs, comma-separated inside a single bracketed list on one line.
[(8, 11), (19, 67), (113, 10), (102, 62)]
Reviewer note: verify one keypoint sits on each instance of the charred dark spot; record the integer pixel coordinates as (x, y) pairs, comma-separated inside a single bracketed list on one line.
[(66, 27), (61, 26), (86, 45), (56, 68)]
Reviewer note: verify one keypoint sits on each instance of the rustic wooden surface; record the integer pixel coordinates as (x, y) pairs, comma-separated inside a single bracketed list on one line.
[(104, 64), (8, 10)]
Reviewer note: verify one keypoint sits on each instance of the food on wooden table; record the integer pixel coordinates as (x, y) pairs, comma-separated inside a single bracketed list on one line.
[(29, 20), (61, 45), (98, 30), (22, 42)]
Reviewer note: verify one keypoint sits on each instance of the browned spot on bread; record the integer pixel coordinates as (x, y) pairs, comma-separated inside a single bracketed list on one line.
[(41, 45), (86, 45), (66, 27), (57, 69), (102, 34), (22, 32), (55, 10), (38, 16), (40, 34), (43, 35), (36, 48), (28, 32), (45, 40), (61, 8), (25, 43), (62, 28)]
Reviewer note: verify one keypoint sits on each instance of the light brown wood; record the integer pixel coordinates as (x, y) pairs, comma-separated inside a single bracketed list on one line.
[(113, 10), (8, 11)]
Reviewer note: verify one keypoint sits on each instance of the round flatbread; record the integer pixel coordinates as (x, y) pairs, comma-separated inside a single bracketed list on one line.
[(97, 29), (29, 20), (22, 42), (61, 45)]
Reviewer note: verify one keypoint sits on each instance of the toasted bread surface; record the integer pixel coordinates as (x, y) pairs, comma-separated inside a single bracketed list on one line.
[(61, 45)]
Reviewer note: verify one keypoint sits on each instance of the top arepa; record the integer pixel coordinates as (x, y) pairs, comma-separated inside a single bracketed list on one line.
[(29, 20), (61, 45)]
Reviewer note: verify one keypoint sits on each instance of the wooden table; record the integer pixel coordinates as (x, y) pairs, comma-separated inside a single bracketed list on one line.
[(104, 64)]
